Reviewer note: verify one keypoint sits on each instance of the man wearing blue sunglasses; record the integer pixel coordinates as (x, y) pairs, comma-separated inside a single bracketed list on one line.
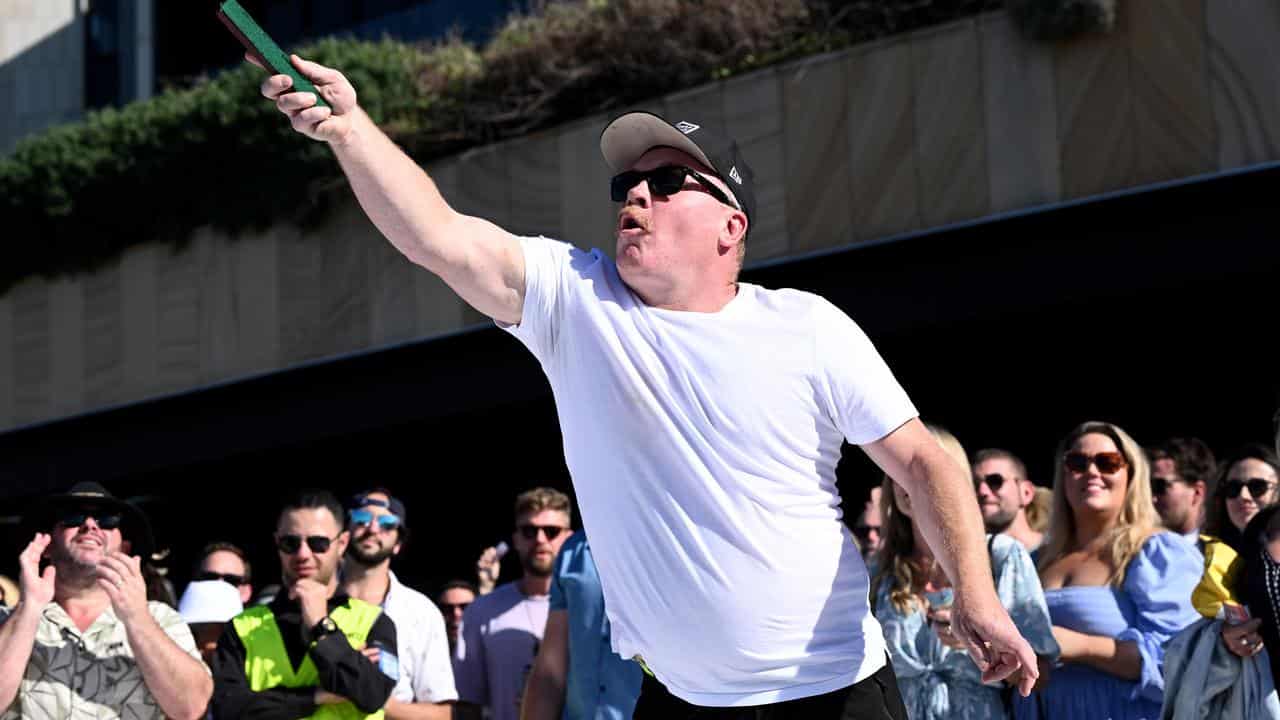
[(425, 689)]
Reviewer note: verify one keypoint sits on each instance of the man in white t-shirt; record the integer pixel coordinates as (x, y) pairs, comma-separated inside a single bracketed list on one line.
[(424, 690), (702, 421)]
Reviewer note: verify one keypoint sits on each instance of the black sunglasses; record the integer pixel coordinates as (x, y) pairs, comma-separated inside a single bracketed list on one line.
[(530, 532), (291, 544), (77, 518), (225, 577), (1107, 462), (995, 481), (448, 608), (665, 180), (1257, 487), (1160, 486)]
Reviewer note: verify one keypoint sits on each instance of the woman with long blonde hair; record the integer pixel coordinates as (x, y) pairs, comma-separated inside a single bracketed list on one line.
[(911, 599), (1117, 585)]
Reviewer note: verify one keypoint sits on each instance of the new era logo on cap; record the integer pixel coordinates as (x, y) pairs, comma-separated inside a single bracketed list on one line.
[(686, 127), (733, 173)]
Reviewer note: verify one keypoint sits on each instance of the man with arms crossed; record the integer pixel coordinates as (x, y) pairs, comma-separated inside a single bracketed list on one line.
[(702, 422), (314, 651)]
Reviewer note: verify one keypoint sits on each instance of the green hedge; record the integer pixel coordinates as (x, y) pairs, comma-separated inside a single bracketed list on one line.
[(76, 195), (218, 154)]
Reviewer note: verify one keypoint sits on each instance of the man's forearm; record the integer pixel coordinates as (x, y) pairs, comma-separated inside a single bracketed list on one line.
[(17, 638), (403, 202), (396, 710), (180, 684), (945, 507)]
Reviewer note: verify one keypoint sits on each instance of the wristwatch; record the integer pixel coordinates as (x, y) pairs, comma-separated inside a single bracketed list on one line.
[(324, 627)]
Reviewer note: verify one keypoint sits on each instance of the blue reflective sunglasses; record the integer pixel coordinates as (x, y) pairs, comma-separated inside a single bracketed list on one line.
[(387, 522)]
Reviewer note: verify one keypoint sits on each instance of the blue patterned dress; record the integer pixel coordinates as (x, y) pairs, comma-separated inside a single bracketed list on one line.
[(1152, 606), (938, 682)]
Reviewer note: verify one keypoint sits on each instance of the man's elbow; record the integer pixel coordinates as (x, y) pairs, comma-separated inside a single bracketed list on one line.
[(189, 713), (196, 703), (370, 703), (192, 707)]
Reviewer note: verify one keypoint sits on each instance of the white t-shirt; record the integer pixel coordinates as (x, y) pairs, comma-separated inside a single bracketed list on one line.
[(497, 643), (703, 449), (426, 670)]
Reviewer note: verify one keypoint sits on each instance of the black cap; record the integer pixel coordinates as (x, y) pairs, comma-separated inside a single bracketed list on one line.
[(136, 529), (629, 136)]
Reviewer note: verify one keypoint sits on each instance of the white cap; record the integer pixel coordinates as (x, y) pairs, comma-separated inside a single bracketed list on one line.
[(209, 601)]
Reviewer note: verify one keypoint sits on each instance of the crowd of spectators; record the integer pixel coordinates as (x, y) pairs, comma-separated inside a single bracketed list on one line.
[(1145, 578)]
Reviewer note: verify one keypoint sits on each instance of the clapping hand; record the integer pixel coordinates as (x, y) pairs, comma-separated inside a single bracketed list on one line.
[(37, 587)]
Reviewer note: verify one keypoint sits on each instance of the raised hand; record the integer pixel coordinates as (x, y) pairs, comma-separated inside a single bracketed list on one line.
[(121, 576), (37, 587), (487, 568), (331, 124), (313, 600)]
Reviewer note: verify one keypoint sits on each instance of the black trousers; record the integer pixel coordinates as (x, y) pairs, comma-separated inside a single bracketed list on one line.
[(875, 698)]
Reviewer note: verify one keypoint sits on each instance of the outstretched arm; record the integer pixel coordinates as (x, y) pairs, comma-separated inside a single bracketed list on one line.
[(482, 262), (944, 505)]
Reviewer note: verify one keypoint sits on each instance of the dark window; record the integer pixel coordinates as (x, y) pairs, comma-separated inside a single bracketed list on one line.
[(102, 54)]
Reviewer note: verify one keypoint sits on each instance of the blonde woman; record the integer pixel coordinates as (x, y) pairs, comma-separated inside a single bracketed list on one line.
[(1117, 586), (936, 676)]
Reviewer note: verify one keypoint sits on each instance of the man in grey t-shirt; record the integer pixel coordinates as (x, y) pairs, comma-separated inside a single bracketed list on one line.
[(501, 631)]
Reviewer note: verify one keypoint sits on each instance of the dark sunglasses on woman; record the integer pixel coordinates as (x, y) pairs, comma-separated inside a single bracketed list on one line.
[(1107, 462), (1257, 487)]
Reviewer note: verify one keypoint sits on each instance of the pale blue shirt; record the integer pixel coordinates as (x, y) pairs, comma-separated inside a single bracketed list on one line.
[(601, 685), (938, 682)]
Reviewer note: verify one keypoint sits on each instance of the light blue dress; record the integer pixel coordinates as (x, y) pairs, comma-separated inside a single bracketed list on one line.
[(938, 682), (1153, 605)]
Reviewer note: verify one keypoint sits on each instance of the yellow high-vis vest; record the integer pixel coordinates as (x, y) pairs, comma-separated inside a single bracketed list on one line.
[(266, 663)]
